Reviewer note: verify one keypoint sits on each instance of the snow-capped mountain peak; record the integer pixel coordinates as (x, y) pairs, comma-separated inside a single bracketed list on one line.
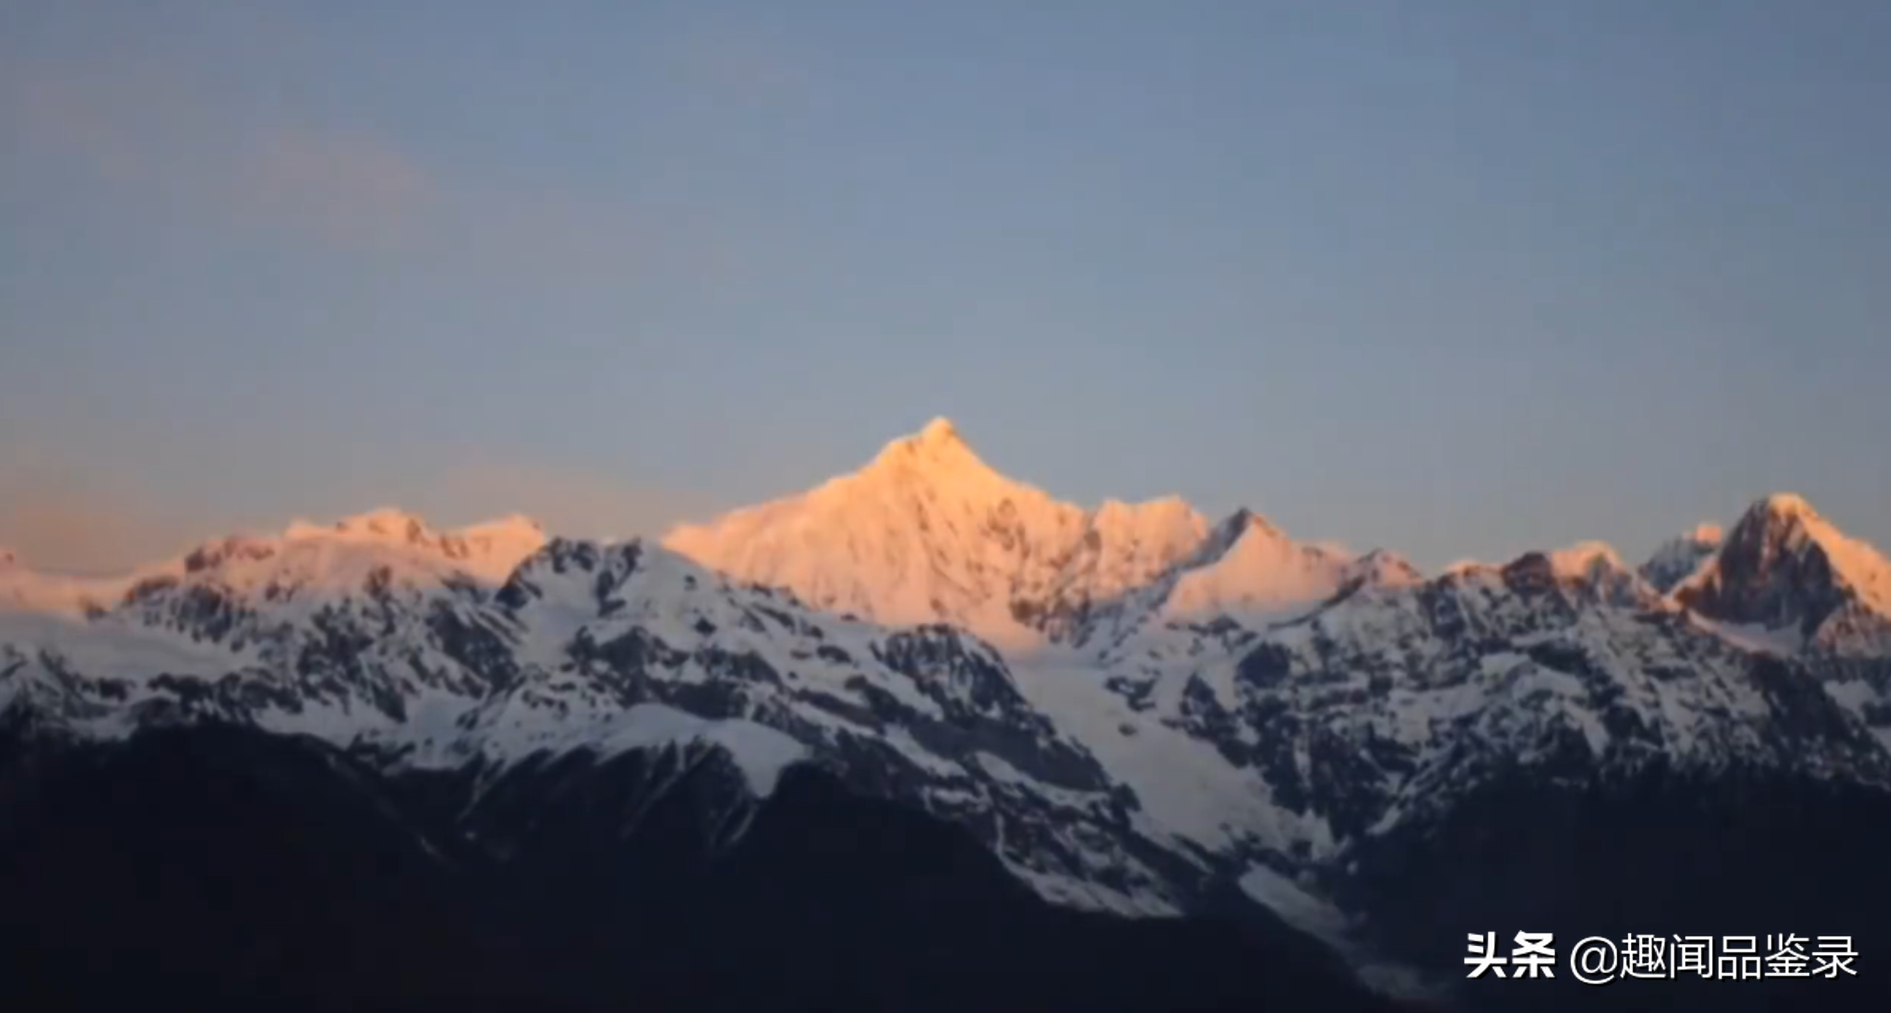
[(1384, 568), (938, 454), (1785, 505), (1583, 559), (378, 525), (1594, 569), (388, 536), (1785, 566), (1676, 559), (488, 550), (1249, 565), (1124, 702), (385, 548), (924, 532), (938, 435), (927, 532)]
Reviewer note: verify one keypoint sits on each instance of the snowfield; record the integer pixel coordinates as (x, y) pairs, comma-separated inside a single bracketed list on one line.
[(1127, 704)]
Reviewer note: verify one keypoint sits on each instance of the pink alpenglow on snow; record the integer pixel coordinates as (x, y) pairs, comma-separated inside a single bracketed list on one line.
[(927, 532)]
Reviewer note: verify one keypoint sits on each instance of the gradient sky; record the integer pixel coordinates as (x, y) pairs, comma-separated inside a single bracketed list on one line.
[(1460, 278)]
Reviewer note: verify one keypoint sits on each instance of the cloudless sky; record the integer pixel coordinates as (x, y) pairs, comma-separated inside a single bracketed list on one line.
[(1460, 277)]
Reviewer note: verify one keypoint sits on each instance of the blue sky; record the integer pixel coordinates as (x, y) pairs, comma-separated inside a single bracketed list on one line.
[(1460, 278)]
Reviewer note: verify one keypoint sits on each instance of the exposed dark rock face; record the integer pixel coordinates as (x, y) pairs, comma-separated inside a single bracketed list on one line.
[(614, 776), (1769, 574)]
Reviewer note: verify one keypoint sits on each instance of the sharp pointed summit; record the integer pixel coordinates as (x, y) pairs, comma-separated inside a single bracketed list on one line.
[(1784, 505), (1191, 710), (927, 532), (939, 430), (1784, 567), (937, 449)]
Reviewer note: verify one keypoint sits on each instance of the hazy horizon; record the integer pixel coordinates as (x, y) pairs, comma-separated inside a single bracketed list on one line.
[(1458, 280), (453, 519)]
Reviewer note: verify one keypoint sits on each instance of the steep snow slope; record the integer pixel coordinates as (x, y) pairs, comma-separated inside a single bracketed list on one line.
[(368, 635), (1175, 703), (1292, 738), (927, 532), (1276, 713), (1227, 737)]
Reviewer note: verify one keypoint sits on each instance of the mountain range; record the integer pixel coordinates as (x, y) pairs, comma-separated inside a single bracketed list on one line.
[(1099, 756)]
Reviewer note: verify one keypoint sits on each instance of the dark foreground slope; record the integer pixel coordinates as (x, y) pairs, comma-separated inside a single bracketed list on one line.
[(222, 868), (1737, 853)]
